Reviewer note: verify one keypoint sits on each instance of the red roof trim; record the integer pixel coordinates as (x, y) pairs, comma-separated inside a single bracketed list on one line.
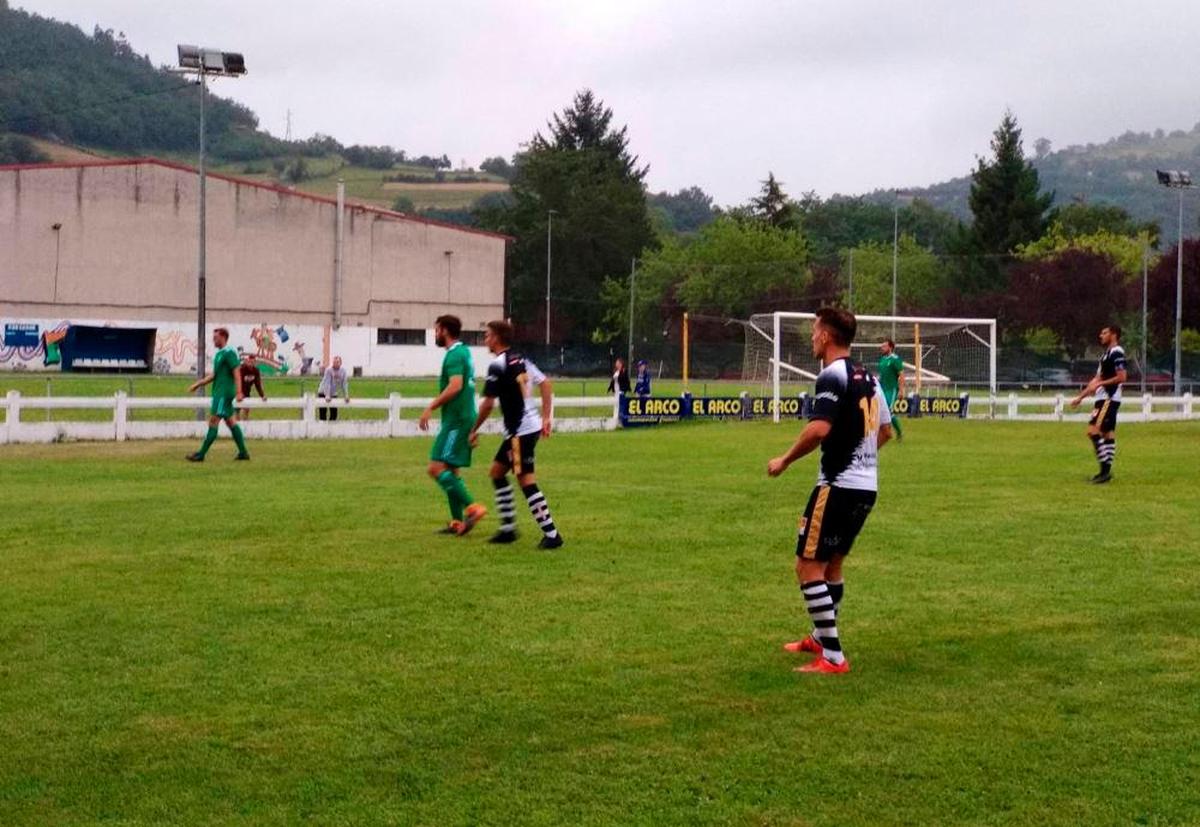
[(320, 199)]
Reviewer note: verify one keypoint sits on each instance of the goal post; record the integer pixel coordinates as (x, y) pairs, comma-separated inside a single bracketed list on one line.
[(938, 352)]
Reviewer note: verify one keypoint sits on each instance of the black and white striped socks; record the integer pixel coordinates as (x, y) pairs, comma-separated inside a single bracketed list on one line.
[(540, 509), (1106, 451), (505, 506), (823, 611)]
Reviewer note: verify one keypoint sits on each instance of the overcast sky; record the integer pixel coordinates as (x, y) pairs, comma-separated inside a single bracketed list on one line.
[(832, 95)]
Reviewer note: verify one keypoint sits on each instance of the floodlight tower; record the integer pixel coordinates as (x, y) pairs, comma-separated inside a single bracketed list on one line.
[(1177, 180), (205, 63)]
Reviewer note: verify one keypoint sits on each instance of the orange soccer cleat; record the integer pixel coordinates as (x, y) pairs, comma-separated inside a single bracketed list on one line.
[(825, 667), (474, 513), (809, 644)]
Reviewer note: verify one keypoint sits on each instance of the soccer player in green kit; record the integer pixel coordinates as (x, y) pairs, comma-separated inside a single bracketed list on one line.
[(891, 378), (452, 446), (226, 381)]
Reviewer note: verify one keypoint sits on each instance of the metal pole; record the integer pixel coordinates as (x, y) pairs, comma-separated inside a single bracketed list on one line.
[(850, 291), (1145, 278), (201, 354), (549, 225), (1179, 303), (632, 282), (895, 255)]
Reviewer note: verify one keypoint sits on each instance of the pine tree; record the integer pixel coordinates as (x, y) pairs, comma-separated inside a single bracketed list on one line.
[(1005, 199), (772, 205)]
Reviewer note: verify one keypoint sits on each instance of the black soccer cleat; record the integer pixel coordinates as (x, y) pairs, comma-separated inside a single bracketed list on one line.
[(503, 537), (1102, 477), (551, 542), (242, 457), (196, 457)]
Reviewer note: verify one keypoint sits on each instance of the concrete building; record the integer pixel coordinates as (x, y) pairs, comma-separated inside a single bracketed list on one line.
[(115, 243)]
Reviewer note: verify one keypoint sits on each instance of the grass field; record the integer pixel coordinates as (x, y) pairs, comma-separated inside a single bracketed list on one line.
[(286, 641)]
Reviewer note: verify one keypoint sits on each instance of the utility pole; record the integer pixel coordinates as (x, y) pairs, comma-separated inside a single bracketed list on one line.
[(549, 227), (632, 279)]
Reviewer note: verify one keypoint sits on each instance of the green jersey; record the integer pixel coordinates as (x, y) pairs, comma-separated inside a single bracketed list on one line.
[(890, 368), (225, 362), (461, 409)]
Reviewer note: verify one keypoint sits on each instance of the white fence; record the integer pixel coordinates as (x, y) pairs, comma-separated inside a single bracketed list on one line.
[(1146, 408), (22, 423)]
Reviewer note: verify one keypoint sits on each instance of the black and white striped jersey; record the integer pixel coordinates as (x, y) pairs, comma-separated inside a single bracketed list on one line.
[(511, 379), (849, 398), (1112, 361)]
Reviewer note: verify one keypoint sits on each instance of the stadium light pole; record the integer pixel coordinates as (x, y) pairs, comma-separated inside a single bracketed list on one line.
[(205, 63), (549, 226), (1178, 180)]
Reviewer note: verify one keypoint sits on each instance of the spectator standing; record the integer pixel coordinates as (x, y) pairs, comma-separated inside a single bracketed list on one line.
[(334, 379), (620, 378), (251, 380)]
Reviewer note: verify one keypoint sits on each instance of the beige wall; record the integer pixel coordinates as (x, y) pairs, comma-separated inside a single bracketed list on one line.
[(127, 249)]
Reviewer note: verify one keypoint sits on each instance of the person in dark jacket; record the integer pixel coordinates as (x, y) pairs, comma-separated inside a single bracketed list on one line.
[(620, 378)]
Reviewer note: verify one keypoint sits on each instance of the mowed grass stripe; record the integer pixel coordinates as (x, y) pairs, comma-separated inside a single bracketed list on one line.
[(286, 639)]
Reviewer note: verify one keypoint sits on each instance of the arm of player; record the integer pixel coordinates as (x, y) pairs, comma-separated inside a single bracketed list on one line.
[(200, 383), (547, 389), (885, 435), (258, 386), (1088, 390), (811, 437), (237, 383), (485, 410), (453, 388)]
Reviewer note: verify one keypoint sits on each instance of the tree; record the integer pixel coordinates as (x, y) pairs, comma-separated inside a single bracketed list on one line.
[(402, 203), (17, 149), (1126, 251), (732, 267), (687, 210), (1042, 148), (1161, 294), (1008, 207), (920, 277), (582, 170), (1082, 219), (772, 206), (1073, 293), (497, 166)]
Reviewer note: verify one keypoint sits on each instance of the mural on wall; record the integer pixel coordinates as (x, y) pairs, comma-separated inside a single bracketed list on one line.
[(24, 344)]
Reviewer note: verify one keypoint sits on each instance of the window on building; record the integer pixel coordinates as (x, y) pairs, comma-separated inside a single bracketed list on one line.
[(473, 338), (399, 336)]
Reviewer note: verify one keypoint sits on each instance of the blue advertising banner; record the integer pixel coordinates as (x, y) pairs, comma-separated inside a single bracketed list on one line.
[(656, 410), (21, 334)]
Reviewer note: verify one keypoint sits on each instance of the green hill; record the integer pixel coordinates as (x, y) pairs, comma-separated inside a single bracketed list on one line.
[(1119, 172)]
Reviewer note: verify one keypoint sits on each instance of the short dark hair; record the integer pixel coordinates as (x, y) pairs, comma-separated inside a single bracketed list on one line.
[(451, 324), (841, 324), (890, 342), (502, 330), (1114, 329), (224, 331)]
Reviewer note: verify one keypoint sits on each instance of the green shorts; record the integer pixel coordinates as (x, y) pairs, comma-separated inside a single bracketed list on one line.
[(223, 406), (451, 446)]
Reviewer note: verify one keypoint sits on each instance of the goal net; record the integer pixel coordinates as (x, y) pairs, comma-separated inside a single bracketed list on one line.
[(945, 354)]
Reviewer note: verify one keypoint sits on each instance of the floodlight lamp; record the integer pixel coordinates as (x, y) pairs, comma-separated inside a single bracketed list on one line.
[(1174, 177), (189, 56), (235, 63), (212, 60)]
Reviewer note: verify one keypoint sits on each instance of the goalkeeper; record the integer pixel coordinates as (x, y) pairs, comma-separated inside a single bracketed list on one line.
[(891, 379)]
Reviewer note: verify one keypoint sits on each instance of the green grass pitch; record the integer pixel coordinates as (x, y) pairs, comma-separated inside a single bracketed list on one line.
[(285, 641)]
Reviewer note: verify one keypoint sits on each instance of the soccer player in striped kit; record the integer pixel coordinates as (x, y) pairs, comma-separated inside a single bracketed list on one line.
[(850, 421), (1106, 384), (510, 379)]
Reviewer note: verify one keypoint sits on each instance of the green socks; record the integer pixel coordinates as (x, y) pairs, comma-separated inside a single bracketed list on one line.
[(209, 439), (896, 424), (456, 493), (238, 438)]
